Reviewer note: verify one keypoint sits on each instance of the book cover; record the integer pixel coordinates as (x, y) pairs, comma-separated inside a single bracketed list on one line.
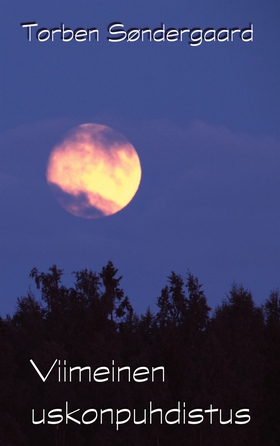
[(139, 172)]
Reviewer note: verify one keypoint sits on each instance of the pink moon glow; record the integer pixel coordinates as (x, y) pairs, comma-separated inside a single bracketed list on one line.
[(94, 172)]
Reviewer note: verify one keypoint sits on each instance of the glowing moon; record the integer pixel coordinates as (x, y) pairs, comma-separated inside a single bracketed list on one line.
[(94, 171)]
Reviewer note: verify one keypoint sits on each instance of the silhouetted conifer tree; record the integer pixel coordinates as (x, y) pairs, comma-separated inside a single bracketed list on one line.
[(229, 360)]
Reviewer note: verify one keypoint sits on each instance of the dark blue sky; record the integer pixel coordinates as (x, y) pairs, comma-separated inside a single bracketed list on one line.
[(204, 121)]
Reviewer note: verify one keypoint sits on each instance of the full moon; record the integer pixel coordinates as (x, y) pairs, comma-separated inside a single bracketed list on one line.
[(94, 172)]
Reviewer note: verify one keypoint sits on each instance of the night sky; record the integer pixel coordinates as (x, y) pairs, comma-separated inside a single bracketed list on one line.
[(205, 123)]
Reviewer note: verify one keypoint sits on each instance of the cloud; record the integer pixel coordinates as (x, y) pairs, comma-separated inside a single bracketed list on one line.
[(208, 200)]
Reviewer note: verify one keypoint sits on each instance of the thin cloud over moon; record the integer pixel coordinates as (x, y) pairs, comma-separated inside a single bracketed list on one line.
[(94, 172)]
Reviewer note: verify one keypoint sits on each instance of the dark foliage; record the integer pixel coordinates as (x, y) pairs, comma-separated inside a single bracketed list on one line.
[(230, 360)]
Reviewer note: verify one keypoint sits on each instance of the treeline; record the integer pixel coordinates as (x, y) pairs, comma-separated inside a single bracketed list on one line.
[(228, 359)]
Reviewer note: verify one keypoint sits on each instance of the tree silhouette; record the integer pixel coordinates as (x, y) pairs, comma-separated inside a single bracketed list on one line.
[(230, 359), (112, 298)]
